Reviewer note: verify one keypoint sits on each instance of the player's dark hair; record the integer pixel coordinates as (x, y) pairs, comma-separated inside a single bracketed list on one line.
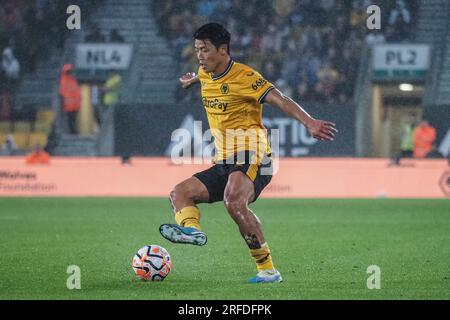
[(215, 33)]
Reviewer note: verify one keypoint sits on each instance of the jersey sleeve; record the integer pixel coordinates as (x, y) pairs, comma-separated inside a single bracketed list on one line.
[(254, 86)]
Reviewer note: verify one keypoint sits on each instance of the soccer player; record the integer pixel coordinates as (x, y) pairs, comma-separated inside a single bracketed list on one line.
[(233, 94)]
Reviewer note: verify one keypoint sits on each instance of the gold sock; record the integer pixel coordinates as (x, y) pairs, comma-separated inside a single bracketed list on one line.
[(262, 257), (188, 217)]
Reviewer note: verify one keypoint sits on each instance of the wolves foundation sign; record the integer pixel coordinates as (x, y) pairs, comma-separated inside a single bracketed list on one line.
[(295, 178)]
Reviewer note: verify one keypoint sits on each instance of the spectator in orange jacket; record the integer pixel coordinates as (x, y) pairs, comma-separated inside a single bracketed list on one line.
[(424, 137), (70, 95), (38, 156)]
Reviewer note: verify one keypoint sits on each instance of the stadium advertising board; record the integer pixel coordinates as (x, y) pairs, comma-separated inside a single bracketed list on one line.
[(288, 137), (295, 141), (400, 61)]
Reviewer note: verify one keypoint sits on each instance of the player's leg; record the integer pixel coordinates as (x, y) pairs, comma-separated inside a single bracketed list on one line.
[(239, 192), (184, 199), (206, 186)]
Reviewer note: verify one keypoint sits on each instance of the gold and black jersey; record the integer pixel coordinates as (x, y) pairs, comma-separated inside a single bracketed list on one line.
[(233, 103)]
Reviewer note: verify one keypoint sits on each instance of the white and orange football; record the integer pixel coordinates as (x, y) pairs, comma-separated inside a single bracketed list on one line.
[(152, 263)]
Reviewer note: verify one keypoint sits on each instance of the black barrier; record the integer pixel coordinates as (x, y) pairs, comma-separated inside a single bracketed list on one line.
[(147, 130), (295, 140)]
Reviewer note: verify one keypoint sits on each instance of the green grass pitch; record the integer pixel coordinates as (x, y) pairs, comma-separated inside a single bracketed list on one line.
[(321, 247)]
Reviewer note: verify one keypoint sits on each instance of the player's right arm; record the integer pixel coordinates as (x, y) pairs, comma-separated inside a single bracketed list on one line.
[(319, 129), (188, 80)]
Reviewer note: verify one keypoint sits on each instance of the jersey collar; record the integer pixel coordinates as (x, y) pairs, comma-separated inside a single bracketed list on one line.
[(223, 74)]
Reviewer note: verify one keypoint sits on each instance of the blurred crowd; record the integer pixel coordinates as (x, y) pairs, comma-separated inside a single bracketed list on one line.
[(28, 29), (309, 49)]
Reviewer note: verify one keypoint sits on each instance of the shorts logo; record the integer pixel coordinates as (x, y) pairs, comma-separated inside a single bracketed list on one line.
[(225, 88)]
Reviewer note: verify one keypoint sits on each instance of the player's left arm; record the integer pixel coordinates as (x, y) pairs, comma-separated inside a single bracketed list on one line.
[(319, 129)]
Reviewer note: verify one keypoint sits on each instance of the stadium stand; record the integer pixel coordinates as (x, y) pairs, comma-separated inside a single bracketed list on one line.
[(308, 48), (315, 51), (432, 27), (152, 76)]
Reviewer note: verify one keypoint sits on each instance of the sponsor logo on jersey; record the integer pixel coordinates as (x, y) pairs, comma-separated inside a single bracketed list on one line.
[(215, 104), (259, 83)]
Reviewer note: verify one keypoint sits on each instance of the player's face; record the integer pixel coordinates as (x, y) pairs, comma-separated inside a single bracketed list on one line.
[(209, 57)]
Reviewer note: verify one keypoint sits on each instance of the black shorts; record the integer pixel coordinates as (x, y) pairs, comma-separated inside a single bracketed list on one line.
[(215, 178)]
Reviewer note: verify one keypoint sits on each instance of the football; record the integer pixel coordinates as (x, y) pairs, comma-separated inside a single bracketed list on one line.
[(151, 263)]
